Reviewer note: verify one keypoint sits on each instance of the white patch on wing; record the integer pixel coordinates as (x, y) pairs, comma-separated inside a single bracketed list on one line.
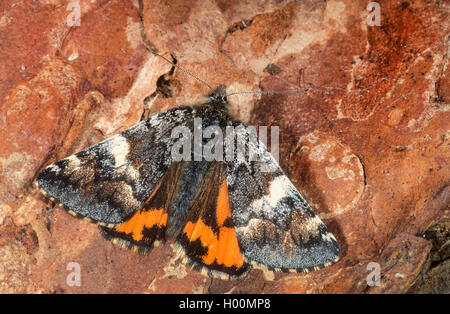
[(279, 188), (53, 167), (74, 162), (313, 223), (252, 226), (119, 148), (328, 237)]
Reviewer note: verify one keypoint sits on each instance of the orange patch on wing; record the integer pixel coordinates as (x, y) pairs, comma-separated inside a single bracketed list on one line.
[(143, 219), (223, 247)]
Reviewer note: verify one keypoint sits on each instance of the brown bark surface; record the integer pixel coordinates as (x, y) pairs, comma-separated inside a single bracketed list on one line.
[(367, 144)]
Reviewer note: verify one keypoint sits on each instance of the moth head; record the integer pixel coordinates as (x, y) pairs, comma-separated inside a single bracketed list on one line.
[(219, 96)]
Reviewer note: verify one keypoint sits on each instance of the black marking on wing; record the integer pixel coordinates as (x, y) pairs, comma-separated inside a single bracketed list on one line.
[(274, 224), (109, 181)]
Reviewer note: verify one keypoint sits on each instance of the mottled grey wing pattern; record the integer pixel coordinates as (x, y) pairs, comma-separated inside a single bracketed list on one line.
[(274, 224), (109, 181)]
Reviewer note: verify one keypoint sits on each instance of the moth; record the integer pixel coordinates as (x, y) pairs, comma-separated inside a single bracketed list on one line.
[(224, 215)]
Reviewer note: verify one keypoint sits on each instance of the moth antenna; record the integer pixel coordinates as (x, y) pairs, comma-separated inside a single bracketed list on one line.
[(262, 92), (152, 49), (311, 87)]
